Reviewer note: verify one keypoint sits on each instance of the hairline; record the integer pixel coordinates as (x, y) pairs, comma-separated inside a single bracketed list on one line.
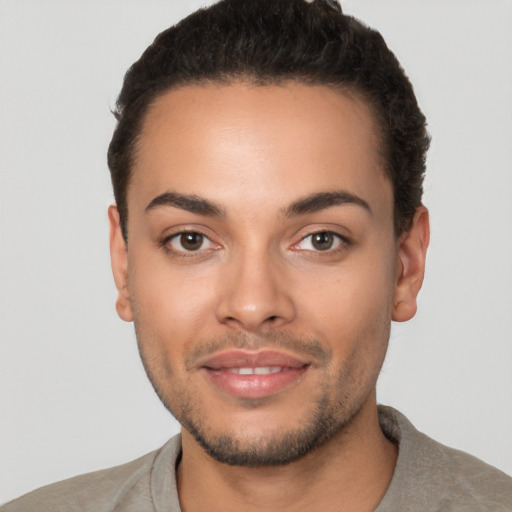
[(224, 80)]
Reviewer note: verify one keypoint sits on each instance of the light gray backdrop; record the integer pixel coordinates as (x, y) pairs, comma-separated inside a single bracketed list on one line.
[(73, 394)]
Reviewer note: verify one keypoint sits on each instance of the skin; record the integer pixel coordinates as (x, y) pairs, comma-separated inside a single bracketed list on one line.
[(258, 282)]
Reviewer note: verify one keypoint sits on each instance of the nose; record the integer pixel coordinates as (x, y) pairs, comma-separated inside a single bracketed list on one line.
[(253, 294)]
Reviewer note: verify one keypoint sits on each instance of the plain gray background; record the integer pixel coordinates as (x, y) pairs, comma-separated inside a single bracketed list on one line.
[(73, 394)]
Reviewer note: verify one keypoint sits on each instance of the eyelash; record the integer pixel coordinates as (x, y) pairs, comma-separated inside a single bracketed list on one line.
[(183, 253), (342, 243)]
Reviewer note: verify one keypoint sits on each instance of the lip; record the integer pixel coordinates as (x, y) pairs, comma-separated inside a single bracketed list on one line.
[(249, 359), (219, 370)]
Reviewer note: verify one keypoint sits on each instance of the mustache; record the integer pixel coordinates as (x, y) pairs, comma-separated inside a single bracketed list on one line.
[(309, 347)]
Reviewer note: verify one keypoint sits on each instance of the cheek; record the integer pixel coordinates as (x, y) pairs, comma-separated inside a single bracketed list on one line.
[(351, 304), (170, 305)]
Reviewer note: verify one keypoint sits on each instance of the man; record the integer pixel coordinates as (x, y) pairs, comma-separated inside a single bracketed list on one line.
[(267, 167)]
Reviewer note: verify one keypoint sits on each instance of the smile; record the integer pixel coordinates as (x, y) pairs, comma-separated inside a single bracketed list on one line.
[(244, 374)]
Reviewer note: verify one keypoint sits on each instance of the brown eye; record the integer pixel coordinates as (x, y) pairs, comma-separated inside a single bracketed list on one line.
[(191, 241), (322, 241)]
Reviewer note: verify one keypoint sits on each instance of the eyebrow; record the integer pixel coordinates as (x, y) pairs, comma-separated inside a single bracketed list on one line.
[(324, 200), (308, 204), (190, 203)]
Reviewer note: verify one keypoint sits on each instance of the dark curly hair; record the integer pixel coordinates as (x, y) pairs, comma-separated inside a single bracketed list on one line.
[(269, 42)]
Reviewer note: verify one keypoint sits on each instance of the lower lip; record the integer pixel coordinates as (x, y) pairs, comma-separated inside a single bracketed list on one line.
[(254, 386)]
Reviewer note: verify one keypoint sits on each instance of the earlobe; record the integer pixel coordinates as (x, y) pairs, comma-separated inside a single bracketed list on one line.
[(119, 261), (412, 250)]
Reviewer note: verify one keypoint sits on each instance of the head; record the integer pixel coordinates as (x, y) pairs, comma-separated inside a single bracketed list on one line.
[(267, 168)]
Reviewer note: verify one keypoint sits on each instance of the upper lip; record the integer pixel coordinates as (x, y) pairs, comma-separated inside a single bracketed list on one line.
[(237, 358)]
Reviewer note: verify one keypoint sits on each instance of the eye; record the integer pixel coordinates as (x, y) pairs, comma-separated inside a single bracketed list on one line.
[(189, 241), (321, 241)]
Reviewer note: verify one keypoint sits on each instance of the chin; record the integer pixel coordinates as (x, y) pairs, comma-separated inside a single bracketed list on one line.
[(280, 446)]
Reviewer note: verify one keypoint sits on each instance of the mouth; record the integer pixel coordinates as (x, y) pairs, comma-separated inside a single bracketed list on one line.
[(244, 374)]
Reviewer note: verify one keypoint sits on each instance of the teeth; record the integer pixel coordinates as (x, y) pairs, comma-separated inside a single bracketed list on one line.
[(260, 370), (265, 370)]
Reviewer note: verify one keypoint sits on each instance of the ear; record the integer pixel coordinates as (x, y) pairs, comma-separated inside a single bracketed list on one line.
[(119, 261), (412, 250)]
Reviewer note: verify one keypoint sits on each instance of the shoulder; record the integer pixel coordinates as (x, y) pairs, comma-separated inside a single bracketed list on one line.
[(428, 472), (125, 487), (461, 480)]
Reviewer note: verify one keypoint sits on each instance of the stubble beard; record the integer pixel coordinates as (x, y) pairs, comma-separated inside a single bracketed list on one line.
[(325, 420), (275, 449)]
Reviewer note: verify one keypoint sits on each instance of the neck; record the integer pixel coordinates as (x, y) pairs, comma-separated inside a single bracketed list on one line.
[(354, 468)]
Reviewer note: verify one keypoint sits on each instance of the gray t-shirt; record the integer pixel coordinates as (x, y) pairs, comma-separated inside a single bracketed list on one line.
[(428, 477)]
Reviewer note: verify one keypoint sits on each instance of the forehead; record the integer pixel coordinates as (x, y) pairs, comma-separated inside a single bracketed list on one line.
[(285, 141)]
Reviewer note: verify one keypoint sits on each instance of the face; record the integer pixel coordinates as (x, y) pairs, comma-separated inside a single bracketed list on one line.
[(262, 270)]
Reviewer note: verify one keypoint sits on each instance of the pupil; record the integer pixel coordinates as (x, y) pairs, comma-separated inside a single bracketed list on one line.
[(191, 241), (322, 241)]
